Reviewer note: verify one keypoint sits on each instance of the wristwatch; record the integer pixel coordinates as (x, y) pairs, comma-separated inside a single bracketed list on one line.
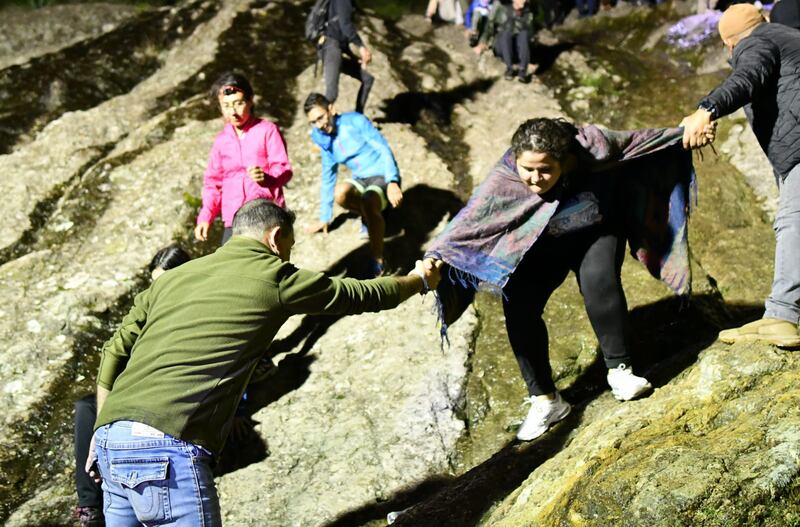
[(709, 107)]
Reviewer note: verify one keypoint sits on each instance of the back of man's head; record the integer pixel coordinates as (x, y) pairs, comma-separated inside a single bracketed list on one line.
[(256, 217), (739, 19)]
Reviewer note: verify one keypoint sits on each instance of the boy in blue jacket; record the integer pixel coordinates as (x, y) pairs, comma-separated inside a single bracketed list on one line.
[(351, 138)]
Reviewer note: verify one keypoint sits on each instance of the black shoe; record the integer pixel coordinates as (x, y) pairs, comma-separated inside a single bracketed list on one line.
[(509, 75), (524, 79), (474, 39), (265, 368), (89, 516)]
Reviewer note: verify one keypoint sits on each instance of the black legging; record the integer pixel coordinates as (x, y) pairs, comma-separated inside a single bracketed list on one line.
[(89, 492), (595, 255), (335, 61)]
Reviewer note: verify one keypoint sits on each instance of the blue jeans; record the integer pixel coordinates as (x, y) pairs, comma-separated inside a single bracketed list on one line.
[(151, 478), (784, 299)]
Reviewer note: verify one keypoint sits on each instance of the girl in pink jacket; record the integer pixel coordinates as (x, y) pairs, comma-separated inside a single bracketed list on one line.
[(248, 159)]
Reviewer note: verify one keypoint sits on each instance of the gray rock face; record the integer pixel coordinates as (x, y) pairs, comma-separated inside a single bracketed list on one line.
[(377, 388), (748, 157), (90, 169), (368, 414), (717, 446), (26, 33)]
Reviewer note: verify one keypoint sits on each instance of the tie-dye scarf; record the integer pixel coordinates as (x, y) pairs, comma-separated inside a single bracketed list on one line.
[(502, 220)]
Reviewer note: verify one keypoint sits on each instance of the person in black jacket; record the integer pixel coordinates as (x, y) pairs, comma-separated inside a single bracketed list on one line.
[(786, 12), (336, 55), (766, 82)]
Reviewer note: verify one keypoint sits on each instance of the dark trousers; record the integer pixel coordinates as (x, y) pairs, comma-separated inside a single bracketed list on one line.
[(509, 46), (89, 492), (595, 255), (335, 61), (586, 7), (551, 10)]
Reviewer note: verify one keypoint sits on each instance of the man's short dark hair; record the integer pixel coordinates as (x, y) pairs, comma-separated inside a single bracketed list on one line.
[(259, 215), (315, 99)]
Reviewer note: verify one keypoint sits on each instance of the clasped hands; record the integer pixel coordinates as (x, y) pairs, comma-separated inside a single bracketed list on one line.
[(429, 270), (698, 129)]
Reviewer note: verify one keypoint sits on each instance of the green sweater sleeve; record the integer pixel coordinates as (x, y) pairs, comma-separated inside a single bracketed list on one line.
[(307, 292), (117, 349)]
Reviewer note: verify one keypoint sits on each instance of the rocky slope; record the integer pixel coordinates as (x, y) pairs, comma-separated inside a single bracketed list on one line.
[(367, 415)]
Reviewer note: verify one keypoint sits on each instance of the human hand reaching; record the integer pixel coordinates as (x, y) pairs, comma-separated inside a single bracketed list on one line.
[(91, 463), (429, 270), (320, 226), (696, 129), (394, 194)]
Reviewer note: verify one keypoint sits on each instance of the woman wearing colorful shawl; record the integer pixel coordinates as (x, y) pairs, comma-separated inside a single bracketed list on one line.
[(563, 199)]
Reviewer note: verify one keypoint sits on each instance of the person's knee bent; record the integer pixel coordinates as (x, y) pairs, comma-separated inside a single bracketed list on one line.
[(340, 194), (367, 79), (371, 204), (598, 282)]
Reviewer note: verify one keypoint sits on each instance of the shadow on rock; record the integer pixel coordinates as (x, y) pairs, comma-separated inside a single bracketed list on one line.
[(408, 107), (409, 228), (545, 56), (431, 115), (90, 72), (462, 501), (666, 338), (244, 447)]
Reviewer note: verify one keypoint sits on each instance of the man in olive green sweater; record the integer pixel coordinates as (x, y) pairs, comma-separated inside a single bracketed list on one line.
[(171, 376)]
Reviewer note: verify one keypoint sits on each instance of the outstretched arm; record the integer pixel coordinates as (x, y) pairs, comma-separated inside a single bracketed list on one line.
[(306, 292)]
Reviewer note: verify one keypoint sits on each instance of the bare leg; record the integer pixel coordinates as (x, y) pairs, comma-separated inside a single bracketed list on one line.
[(376, 226), (368, 206)]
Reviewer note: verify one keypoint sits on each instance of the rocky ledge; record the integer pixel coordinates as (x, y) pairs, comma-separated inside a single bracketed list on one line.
[(367, 415)]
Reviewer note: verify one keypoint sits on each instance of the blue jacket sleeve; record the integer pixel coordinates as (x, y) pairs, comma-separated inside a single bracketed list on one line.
[(329, 169), (468, 15), (376, 140)]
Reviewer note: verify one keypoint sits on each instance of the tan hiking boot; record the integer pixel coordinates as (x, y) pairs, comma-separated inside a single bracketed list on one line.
[(781, 333)]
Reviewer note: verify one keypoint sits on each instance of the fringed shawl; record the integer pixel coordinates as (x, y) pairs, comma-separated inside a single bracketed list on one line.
[(503, 218)]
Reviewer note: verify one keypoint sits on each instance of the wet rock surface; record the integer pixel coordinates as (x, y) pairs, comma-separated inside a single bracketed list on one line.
[(27, 33), (367, 415)]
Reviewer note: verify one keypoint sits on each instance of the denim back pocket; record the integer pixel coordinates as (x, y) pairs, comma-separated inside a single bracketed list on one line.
[(144, 481)]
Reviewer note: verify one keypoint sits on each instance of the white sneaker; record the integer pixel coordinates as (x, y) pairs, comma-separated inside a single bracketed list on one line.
[(625, 385), (541, 416)]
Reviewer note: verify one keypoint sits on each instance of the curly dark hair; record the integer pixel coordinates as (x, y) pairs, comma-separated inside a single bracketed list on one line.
[(555, 137)]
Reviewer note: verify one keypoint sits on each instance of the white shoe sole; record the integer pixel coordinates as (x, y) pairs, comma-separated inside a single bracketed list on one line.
[(556, 419), (629, 397)]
